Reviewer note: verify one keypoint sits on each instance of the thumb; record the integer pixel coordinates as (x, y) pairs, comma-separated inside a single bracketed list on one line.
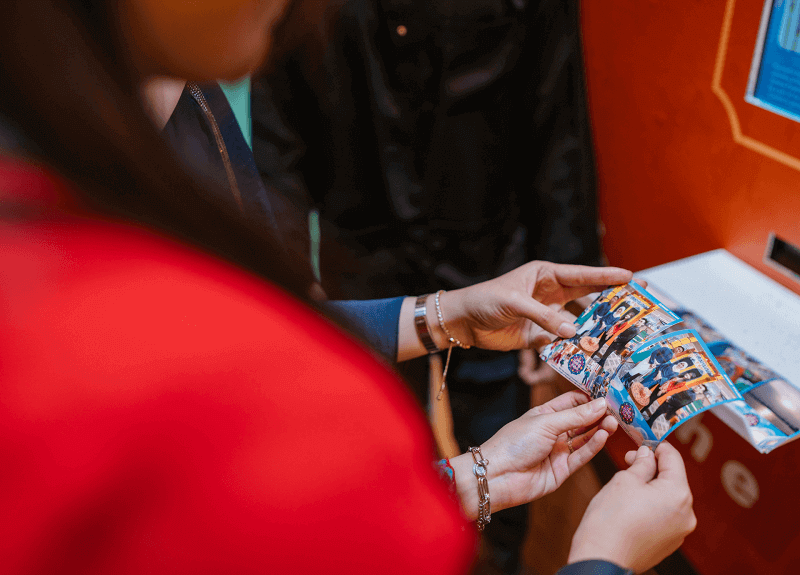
[(644, 466), (575, 417)]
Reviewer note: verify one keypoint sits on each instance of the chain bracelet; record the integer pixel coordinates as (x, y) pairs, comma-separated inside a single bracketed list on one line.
[(484, 505), (440, 316)]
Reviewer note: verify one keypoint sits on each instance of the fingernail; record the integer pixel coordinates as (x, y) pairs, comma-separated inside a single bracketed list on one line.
[(643, 452), (599, 404), (566, 330)]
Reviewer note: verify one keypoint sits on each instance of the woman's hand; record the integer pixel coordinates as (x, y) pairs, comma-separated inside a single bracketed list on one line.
[(530, 457), (515, 310), (641, 516)]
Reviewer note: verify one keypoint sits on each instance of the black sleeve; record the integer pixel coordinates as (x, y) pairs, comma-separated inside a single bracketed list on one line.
[(277, 147), (593, 567)]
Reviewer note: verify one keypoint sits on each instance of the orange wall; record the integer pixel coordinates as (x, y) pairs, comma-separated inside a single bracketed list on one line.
[(665, 142)]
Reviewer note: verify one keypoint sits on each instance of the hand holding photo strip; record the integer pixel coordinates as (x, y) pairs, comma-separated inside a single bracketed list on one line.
[(652, 382)]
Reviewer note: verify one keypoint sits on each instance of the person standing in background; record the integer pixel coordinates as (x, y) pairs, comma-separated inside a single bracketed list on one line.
[(442, 143)]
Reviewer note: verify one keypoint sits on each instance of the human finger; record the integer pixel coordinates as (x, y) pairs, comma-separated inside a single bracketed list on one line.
[(586, 447), (579, 439), (546, 317), (609, 423), (644, 464), (670, 463), (566, 400), (539, 338), (574, 418), (567, 315), (641, 282), (630, 457), (590, 276)]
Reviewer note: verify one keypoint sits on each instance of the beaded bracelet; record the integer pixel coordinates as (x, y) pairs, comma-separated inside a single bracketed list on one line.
[(453, 341), (448, 475)]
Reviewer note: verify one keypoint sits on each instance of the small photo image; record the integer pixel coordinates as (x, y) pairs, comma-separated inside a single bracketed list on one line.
[(673, 377), (618, 322), (680, 405), (691, 321), (744, 371), (789, 34), (570, 361), (778, 402), (615, 324), (630, 419), (597, 381)]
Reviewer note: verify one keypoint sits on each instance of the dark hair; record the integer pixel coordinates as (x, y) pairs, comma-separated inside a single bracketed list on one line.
[(694, 373), (633, 312), (70, 90)]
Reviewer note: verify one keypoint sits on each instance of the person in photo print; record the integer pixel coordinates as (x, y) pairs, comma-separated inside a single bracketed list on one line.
[(623, 339), (608, 320), (658, 356)]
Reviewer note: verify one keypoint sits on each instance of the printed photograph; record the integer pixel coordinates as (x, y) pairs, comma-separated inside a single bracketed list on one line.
[(619, 321), (673, 378)]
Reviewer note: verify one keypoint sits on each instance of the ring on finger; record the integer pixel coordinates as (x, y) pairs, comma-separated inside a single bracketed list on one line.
[(569, 444)]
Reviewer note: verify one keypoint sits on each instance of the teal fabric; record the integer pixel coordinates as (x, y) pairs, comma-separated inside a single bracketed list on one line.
[(316, 239), (238, 94)]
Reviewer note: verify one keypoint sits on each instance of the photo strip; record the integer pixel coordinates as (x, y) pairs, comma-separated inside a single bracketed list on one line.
[(617, 322), (671, 378), (652, 380)]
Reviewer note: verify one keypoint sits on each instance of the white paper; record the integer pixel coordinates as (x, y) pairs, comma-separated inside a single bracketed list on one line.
[(754, 312)]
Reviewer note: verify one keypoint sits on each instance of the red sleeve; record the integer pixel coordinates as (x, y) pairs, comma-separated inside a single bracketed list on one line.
[(166, 413)]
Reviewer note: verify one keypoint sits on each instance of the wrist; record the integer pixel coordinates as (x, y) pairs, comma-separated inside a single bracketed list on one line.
[(467, 485), (454, 317)]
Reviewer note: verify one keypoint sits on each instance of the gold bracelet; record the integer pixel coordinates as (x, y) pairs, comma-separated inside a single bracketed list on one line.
[(484, 505), (453, 340)]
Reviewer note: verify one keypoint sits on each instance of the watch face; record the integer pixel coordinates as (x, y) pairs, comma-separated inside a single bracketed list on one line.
[(576, 363), (626, 412)]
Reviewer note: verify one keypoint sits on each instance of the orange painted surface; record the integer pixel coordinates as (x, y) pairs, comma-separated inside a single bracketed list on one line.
[(672, 180), (677, 178)]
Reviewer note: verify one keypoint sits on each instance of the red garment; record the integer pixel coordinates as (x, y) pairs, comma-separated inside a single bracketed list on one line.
[(165, 412)]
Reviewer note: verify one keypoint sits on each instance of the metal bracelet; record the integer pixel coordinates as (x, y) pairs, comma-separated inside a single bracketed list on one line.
[(484, 505), (421, 324)]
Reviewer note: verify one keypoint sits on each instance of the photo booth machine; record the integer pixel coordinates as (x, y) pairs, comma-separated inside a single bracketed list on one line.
[(695, 111)]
